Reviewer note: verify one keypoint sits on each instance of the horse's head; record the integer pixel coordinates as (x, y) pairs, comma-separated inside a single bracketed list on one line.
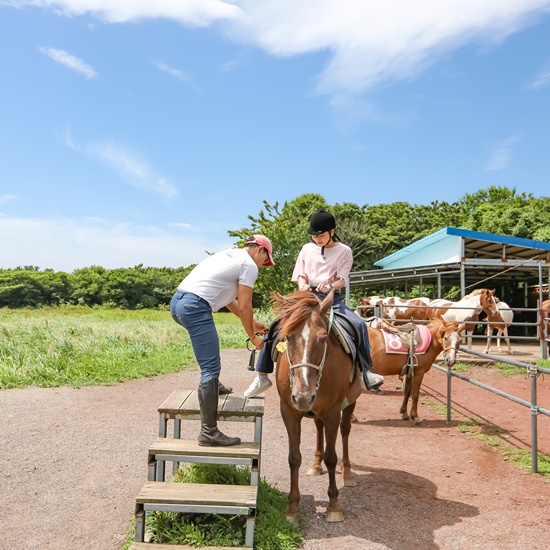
[(304, 331), (488, 301), (449, 335)]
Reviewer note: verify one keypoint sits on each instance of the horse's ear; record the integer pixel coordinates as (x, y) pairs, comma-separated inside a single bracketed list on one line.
[(276, 299), (326, 304), (492, 292)]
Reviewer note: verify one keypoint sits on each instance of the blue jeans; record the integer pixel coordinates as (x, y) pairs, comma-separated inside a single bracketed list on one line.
[(195, 314)]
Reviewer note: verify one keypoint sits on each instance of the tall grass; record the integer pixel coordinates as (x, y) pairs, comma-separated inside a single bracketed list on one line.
[(83, 346)]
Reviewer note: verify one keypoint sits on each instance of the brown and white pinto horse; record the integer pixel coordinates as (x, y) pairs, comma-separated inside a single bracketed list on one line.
[(445, 338), (398, 310), (466, 310), (499, 322), (394, 308), (315, 377), (367, 304)]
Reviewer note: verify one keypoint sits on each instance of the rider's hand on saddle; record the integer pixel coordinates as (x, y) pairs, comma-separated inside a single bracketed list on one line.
[(304, 287), (325, 288)]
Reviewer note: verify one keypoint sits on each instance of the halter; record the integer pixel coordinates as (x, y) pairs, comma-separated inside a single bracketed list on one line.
[(445, 350), (318, 367)]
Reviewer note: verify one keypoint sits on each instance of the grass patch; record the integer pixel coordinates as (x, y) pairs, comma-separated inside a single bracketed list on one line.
[(491, 436), (272, 530), (461, 367), (509, 370), (77, 347)]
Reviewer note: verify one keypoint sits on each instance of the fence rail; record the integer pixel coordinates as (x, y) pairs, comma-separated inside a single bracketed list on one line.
[(533, 370)]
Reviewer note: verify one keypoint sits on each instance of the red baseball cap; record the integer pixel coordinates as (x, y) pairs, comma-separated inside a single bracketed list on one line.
[(260, 240)]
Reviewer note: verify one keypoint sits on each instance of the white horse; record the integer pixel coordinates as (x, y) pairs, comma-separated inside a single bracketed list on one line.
[(466, 310), (499, 322)]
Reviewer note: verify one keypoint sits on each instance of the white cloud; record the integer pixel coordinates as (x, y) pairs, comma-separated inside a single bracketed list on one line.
[(133, 170), (502, 155), (68, 244), (7, 198), (367, 41), (542, 79), (70, 61), (182, 75)]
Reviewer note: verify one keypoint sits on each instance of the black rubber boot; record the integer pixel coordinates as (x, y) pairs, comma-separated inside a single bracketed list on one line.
[(210, 436), (223, 390)]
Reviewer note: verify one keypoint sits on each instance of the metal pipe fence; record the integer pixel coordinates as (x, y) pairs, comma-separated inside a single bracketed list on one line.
[(533, 370)]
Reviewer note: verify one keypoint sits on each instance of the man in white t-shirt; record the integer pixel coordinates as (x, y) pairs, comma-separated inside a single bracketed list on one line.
[(225, 279)]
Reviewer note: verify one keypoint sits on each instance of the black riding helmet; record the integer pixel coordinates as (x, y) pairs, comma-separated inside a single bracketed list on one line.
[(320, 222)]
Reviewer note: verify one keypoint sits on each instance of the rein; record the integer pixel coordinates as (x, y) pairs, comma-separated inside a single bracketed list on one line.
[(318, 367)]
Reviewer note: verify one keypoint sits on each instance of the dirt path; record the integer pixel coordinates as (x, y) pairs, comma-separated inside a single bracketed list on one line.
[(74, 460)]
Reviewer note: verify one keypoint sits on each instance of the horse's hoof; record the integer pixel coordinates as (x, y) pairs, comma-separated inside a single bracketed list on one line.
[(419, 422), (294, 519), (334, 517), (350, 482), (405, 416), (315, 471)]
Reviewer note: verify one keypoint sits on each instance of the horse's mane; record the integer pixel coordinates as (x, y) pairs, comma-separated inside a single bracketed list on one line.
[(439, 323), (294, 310)]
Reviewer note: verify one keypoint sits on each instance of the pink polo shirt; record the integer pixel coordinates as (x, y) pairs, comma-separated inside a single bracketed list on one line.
[(319, 269)]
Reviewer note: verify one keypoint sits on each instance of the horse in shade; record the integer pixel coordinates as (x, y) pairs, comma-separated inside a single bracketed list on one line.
[(499, 322), (315, 378)]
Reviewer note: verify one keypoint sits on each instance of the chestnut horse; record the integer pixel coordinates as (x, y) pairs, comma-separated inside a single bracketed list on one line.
[(499, 322), (315, 377), (445, 337), (466, 310)]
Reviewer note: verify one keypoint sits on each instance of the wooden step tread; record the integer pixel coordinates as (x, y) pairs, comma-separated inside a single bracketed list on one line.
[(160, 492), (153, 546), (167, 445), (233, 405)]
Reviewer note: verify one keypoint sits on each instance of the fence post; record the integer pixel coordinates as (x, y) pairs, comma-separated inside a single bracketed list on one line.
[(533, 373)]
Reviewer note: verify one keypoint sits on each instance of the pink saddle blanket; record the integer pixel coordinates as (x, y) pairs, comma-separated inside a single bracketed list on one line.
[(394, 344)]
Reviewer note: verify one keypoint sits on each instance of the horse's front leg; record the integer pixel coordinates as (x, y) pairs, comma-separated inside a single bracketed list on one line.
[(334, 511), (406, 395), (316, 469), (505, 334), (348, 477), (415, 394), (293, 424), (489, 338)]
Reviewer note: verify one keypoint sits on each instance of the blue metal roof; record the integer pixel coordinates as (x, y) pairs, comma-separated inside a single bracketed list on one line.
[(447, 251)]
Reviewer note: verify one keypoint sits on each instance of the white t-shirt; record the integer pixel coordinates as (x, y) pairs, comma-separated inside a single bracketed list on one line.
[(318, 269), (216, 278)]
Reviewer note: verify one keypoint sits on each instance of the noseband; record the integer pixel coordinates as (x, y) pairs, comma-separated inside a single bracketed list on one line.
[(318, 367)]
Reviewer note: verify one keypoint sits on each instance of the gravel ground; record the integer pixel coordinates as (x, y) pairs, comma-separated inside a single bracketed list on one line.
[(73, 461)]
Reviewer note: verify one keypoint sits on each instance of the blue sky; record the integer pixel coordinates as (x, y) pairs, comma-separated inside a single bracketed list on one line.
[(141, 132)]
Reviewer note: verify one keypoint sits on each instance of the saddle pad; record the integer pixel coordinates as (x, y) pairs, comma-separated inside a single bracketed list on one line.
[(394, 344)]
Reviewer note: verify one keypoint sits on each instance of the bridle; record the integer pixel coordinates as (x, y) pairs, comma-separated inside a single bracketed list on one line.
[(447, 349), (318, 367)]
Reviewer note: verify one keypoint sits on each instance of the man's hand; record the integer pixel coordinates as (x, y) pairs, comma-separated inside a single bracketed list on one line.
[(260, 328), (257, 342)]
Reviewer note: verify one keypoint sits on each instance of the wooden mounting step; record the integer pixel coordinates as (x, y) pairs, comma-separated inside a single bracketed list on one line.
[(169, 446), (197, 494), (200, 498), (188, 450), (153, 546)]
